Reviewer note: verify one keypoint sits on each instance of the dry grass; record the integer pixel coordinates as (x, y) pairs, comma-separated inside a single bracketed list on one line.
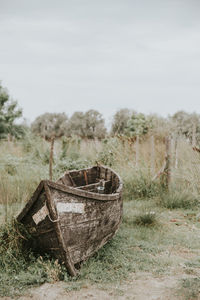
[(187, 173), (147, 239)]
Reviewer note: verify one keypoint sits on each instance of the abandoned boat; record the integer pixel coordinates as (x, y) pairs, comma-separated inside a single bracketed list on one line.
[(75, 216)]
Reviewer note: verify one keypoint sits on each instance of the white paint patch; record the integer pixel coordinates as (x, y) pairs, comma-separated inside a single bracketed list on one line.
[(40, 215), (78, 208)]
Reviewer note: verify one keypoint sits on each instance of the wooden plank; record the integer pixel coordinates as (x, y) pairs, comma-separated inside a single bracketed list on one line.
[(66, 181), (71, 179), (86, 179), (31, 201), (64, 251), (92, 185)]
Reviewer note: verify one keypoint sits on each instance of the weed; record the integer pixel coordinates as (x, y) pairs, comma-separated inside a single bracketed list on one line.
[(147, 218)]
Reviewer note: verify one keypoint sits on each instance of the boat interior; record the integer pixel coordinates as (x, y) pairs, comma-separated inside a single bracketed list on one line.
[(97, 179)]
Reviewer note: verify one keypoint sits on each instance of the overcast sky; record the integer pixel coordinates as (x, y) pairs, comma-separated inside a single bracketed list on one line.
[(74, 55)]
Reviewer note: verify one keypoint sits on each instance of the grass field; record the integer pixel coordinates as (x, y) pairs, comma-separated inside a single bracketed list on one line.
[(159, 234)]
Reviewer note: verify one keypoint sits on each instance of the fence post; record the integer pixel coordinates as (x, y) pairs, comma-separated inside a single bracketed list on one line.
[(137, 151), (176, 153), (194, 135), (51, 158), (152, 155), (168, 161), (173, 150)]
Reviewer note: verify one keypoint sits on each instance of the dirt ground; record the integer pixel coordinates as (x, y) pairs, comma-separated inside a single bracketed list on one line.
[(138, 287)]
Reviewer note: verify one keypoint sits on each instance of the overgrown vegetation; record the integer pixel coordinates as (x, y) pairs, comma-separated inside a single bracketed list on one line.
[(157, 224), (19, 266)]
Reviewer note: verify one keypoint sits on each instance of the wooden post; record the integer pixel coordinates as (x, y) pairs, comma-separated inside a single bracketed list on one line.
[(194, 135), (9, 141), (51, 158), (172, 151), (176, 153), (168, 162), (137, 151), (152, 155)]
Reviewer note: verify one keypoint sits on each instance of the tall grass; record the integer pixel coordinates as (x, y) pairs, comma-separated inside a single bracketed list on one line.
[(141, 241), (23, 164), (187, 174)]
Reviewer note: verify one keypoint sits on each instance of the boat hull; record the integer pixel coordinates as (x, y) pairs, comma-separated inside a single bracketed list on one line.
[(72, 223)]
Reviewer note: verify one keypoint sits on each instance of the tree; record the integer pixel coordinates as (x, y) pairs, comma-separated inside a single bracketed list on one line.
[(87, 125), (160, 127), (50, 126), (120, 121), (77, 124), (9, 113), (183, 123), (94, 124), (138, 125)]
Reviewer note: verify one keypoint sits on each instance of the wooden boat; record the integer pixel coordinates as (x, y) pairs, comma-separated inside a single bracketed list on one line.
[(75, 216)]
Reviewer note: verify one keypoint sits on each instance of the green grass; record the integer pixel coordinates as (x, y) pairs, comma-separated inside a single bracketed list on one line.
[(135, 248), (147, 240)]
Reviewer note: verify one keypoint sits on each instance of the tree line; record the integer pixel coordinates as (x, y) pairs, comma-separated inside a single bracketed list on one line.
[(91, 124)]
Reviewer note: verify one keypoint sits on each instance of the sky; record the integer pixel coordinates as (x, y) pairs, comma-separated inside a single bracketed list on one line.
[(76, 55)]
